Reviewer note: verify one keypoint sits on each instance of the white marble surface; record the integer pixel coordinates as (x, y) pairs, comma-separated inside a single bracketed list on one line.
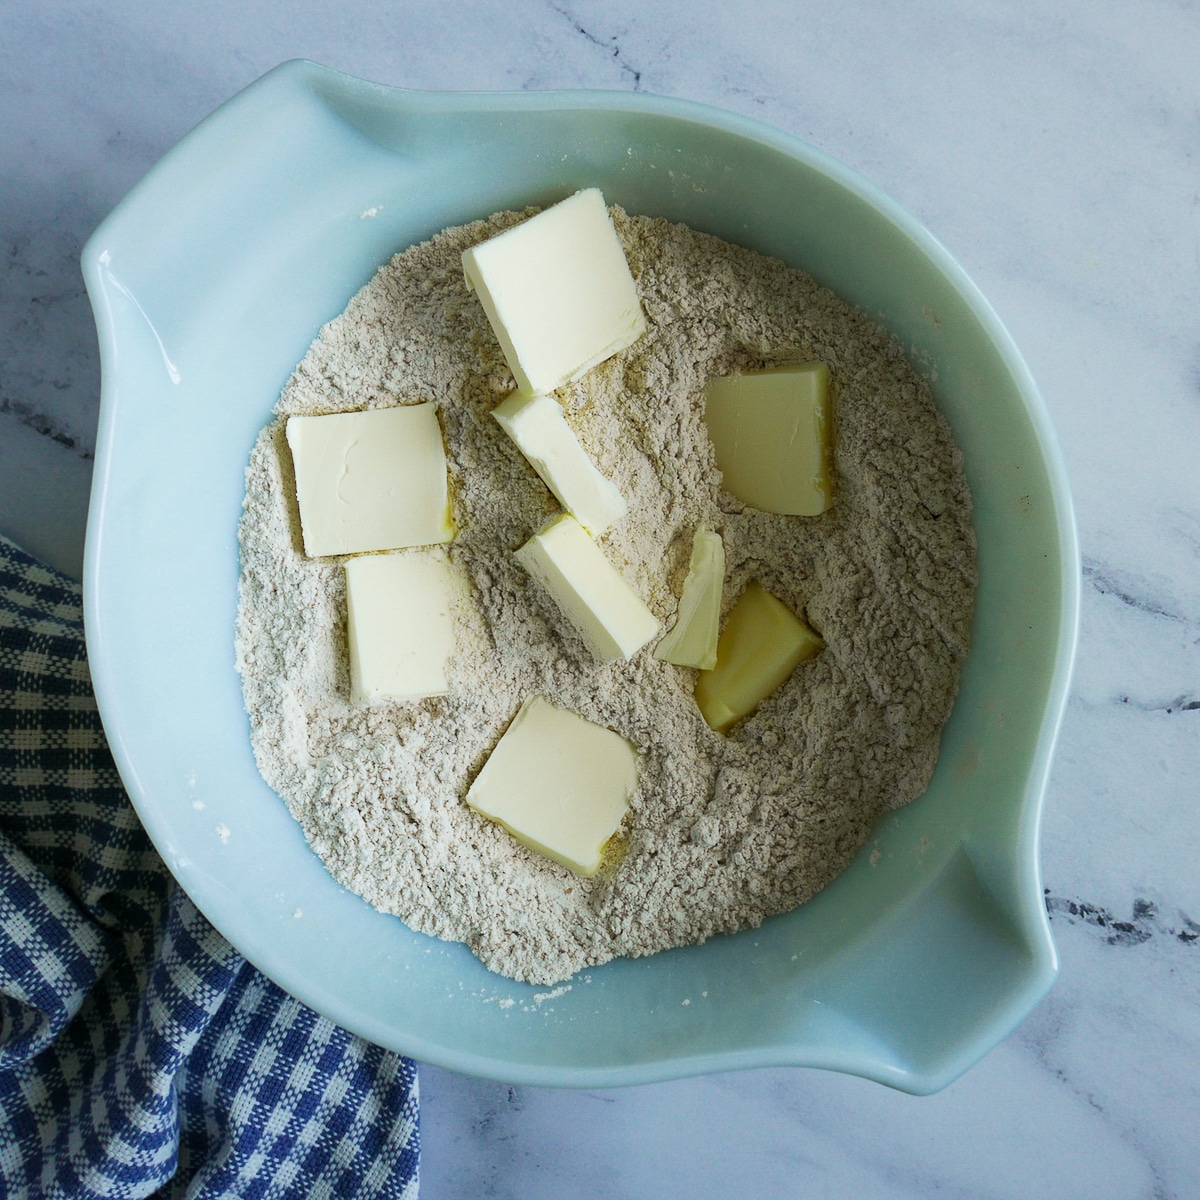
[(1055, 149)]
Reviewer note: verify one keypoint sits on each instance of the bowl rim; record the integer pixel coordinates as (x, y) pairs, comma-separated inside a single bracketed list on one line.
[(1026, 851)]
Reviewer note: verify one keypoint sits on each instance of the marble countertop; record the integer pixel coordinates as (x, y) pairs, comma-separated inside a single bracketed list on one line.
[(1053, 147)]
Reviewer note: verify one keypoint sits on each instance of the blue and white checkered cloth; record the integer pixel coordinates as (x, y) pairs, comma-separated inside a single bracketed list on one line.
[(140, 1055)]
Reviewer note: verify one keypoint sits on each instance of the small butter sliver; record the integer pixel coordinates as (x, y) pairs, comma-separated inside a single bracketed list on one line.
[(539, 428), (400, 624), (372, 480), (772, 434), (692, 640), (589, 591), (762, 643), (559, 783), (557, 292)]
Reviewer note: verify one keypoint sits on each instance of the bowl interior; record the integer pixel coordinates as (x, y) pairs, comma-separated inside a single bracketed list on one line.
[(210, 281)]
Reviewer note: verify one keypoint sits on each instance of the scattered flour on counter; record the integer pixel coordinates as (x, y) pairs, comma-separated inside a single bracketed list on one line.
[(723, 831)]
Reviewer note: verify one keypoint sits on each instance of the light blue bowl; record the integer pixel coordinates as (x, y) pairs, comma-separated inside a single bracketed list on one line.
[(209, 282)]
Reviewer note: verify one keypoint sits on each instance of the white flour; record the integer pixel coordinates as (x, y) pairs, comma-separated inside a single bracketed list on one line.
[(724, 830)]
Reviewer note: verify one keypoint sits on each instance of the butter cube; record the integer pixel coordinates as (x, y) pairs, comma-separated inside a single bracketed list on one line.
[(558, 783), (762, 643), (373, 480), (541, 432), (558, 292), (401, 627), (772, 432), (692, 641), (607, 612)]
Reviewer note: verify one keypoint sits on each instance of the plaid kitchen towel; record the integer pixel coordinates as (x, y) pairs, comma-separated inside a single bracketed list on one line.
[(140, 1055)]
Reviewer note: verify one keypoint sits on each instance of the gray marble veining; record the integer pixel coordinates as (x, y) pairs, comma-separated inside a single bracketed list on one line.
[(1053, 148)]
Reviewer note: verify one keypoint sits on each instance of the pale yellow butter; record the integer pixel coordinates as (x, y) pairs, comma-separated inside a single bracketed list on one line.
[(762, 643), (692, 640), (400, 624), (588, 589), (558, 292), (559, 783), (541, 432), (772, 432), (373, 480)]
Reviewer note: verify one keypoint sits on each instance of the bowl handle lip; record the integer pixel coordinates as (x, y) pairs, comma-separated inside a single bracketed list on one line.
[(322, 82)]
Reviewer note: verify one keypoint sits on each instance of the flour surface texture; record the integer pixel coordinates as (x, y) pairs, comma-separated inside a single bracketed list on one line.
[(722, 830)]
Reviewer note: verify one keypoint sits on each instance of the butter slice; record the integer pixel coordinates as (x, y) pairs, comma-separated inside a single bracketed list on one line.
[(401, 626), (762, 643), (373, 480), (541, 432), (607, 612), (692, 641), (558, 292), (558, 783), (772, 432)]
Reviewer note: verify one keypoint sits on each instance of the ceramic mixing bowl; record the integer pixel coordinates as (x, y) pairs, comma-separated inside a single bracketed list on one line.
[(209, 282)]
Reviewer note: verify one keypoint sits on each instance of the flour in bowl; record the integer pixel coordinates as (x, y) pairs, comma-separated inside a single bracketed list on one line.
[(723, 830)]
